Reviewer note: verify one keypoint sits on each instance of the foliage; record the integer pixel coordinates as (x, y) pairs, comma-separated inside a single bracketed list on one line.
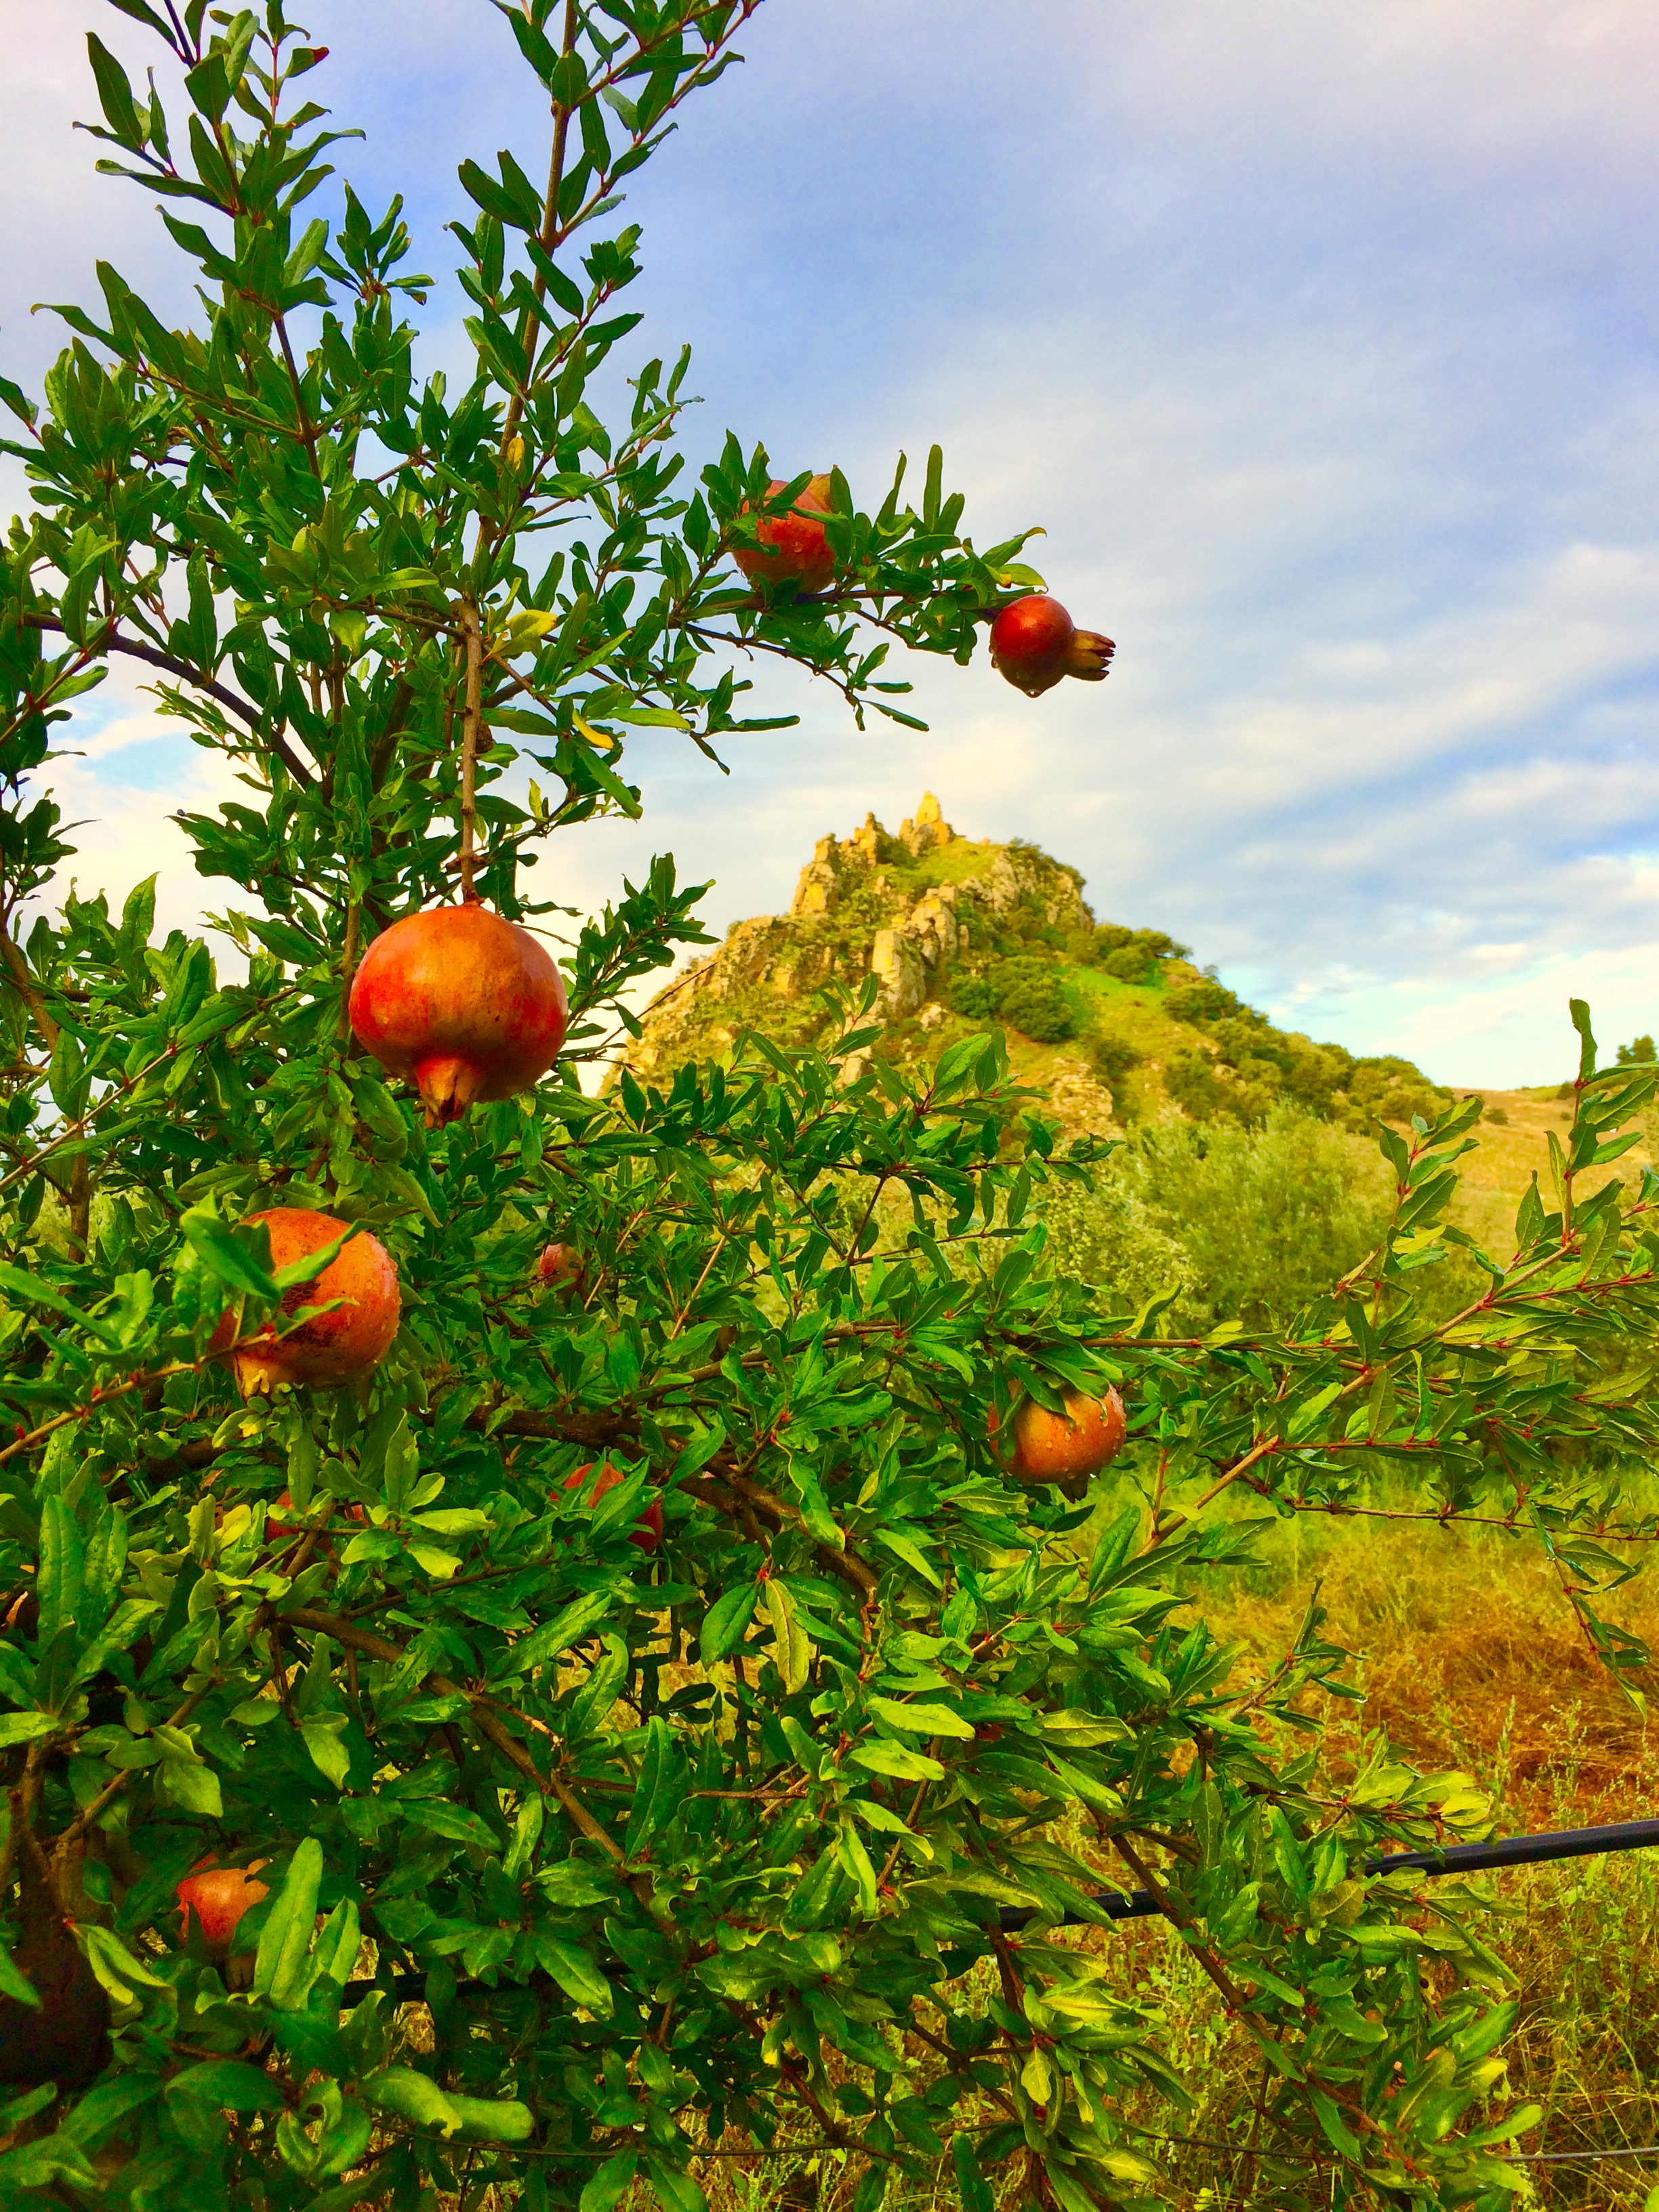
[(1023, 992), (1249, 1223), (1130, 955), (578, 1857), (1242, 1066), (1638, 1050)]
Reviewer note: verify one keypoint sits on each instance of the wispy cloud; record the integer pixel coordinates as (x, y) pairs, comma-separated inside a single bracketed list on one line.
[(1322, 340)]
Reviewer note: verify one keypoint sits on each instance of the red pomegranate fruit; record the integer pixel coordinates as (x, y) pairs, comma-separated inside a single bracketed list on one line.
[(1059, 1447), (646, 1531), (469, 1004), (792, 547), (331, 1347), (1034, 642), (216, 1898), (561, 1268)]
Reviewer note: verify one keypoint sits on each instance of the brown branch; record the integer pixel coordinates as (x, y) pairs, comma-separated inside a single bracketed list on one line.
[(45, 1021), (1264, 1450), (486, 1712), (113, 641), (471, 722)]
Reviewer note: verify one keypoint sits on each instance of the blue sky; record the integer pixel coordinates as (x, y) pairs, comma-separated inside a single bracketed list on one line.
[(1319, 340)]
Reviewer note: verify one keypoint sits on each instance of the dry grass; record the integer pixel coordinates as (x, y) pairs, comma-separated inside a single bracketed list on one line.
[(1469, 1656), (1512, 1150)]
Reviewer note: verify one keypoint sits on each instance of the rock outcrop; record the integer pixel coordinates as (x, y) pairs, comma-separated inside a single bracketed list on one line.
[(901, 909)]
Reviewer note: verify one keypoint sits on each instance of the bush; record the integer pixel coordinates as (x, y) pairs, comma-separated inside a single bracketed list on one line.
[(974, 998), (1131, 964), (1206, 1000), (1248, 1224), (1113, 1058), (1023, 991), (1037, 1010)]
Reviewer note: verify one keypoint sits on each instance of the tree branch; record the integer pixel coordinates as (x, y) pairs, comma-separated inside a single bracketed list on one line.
[(113, 641)]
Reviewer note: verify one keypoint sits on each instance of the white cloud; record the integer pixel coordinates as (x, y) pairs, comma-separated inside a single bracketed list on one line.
[(1321, 339)]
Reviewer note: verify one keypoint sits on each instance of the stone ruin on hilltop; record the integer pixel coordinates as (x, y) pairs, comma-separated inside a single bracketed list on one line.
[(894, 907)]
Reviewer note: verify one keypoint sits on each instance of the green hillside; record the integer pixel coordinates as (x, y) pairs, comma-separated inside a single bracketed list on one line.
[(1116, 1023)]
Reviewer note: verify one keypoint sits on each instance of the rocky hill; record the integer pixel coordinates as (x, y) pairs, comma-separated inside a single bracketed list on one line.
[(962, 935)]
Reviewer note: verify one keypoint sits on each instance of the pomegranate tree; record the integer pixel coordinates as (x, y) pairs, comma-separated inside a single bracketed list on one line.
[(591, 1859)]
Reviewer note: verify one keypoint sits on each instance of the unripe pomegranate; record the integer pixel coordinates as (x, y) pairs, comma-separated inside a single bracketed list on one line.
[(1059, 1447), (793, 548), (331, 1347), (561, 1268), (646, 1531), (1034, 642), (469, 1004), (217, 1897)]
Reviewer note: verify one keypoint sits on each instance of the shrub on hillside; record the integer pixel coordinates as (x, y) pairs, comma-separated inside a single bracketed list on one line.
[(1112, 1059), (1205, 1000), (1245, 1223), (1131, 955), (1023, 992), (1038, 1010)]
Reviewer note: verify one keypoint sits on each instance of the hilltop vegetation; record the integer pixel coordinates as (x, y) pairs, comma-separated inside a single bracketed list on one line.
[(1116, 1022)]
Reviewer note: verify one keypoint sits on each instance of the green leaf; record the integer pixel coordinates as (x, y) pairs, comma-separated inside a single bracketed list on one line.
[(676, 2191), (229, 1253), (17, 1284), (280, 1966), (972, 2187), (26, 1727), (191, 1784), (114, 1965), (321, 1734), (458, 1822), (497, 2119), (922, 1719), (726, 1621), (575, 1973), (417, 2097), (904, 1764), (610, 2183), (790, 1647), (567, 1627), (14, 1983), (229, 2084), (41, 2165)]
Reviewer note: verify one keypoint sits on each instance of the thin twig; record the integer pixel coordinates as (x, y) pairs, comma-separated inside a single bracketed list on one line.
[(471, 721)]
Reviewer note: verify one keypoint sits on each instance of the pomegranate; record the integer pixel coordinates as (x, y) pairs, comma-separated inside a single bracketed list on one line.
[(560, 1268), (332, 1348), (469, 1004), (793, 548), (1059, 1447), (217, 1897), (1034, 642), (646, 1531)]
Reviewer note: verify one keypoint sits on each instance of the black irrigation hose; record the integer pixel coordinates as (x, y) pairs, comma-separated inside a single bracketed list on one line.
[(1450, 1858)]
